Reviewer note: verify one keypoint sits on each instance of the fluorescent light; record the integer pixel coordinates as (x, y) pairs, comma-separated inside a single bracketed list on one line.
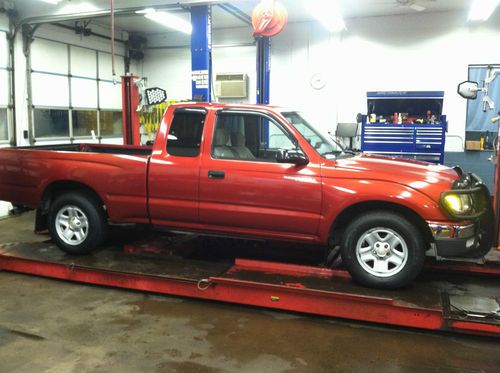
[(145, 11), (82, 7), (327, 13), (169, 20), (481, 10), (53, 2)]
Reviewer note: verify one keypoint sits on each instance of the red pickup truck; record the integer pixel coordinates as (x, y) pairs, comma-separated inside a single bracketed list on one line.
[(256, 171)]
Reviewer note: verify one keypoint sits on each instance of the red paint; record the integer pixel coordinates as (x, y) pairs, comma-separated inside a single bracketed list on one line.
[(287, 269), (348, 306), (258, 199), (290, 296), (130, 116), (294, 285), (269, 18)]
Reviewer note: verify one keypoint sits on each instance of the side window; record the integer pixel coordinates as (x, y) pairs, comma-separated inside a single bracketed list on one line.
[(250, 137), (184, 136)]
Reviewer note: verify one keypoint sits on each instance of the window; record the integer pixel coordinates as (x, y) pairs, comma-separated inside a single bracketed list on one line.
[(184, 136), (110, 123), (84, 122), (51, 122), (323, 144), (81, 87), (4, 127), (250, 137)]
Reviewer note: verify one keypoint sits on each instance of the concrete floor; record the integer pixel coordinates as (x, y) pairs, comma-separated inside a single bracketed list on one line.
[(55, 326)]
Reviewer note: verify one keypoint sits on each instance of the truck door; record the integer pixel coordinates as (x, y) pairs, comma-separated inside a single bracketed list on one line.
[(173, 182), (242, 185)]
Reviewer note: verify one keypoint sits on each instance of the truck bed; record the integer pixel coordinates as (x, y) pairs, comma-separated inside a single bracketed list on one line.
[(116, 173)]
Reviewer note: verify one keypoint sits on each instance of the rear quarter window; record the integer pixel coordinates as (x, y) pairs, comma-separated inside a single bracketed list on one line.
[(184, 136)]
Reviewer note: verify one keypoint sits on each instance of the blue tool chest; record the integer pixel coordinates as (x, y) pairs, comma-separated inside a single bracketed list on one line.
[(420, 133)]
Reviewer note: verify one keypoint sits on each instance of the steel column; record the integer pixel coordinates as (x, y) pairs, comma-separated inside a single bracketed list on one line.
[(130, 116), (201, 53), (263, 69), (263, 78)]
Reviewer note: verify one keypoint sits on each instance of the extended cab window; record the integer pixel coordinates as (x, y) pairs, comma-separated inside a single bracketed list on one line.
[(184, 136), (249, 137)]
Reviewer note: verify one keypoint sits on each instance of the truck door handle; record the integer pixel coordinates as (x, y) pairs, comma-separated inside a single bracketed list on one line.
[(216, 174)]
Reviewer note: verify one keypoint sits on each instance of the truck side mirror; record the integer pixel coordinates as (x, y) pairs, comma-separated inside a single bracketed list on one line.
[(295, 157), (468, 89)]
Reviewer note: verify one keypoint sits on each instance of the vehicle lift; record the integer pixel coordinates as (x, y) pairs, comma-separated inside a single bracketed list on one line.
[(454, 296)]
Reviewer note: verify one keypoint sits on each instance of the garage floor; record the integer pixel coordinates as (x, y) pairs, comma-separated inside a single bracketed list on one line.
[(54, 326)]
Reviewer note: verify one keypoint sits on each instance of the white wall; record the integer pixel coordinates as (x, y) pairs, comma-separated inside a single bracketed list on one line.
[(417, 52), (405, 52), (169, 69)]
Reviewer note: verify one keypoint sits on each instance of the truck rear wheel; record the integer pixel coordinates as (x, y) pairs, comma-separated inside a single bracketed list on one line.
[(77, 223), (383, 250)]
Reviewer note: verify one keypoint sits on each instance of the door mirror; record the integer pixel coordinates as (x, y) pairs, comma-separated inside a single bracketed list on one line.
[(468, 89), (295, 157)]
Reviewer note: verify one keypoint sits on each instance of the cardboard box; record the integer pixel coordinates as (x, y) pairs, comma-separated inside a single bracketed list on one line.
[(473, 145)]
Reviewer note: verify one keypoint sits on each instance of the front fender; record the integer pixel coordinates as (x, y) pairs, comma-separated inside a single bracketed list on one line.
[(340, 194)]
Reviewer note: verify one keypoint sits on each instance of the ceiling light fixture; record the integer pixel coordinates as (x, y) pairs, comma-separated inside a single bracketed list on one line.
[(145, 11), (481, 10), (327, 13), (168, 20), (53, 2)]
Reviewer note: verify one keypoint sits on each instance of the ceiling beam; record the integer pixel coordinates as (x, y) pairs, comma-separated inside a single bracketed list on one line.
[(236, 12)]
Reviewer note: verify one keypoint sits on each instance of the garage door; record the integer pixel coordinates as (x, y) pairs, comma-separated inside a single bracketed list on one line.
[(4, 89), (73, 94)]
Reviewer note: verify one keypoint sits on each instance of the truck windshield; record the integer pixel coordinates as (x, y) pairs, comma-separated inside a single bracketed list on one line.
[(323, 143)]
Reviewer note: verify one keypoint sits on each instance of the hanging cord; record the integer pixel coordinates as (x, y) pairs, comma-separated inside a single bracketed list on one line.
[(113, 40)]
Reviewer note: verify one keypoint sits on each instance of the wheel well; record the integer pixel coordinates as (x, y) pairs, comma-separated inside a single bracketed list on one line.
[(64, 186), (55, 189), (352, 212)]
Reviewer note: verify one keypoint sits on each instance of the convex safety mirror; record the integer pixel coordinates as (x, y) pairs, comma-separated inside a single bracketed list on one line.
[(468, 89)]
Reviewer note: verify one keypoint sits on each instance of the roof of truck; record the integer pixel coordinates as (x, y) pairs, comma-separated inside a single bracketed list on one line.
[(220, 105)]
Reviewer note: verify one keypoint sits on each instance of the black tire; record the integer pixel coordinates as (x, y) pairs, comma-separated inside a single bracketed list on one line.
[(405, 232), (89, 211)]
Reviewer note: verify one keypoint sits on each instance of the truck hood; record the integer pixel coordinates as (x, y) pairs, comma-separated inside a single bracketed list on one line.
[(428, 178)]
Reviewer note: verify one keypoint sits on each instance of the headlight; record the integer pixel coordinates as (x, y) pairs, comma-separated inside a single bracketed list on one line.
[(458, 204)]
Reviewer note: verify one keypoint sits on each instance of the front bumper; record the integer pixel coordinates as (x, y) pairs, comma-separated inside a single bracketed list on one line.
[(455, 240), (466, 236)]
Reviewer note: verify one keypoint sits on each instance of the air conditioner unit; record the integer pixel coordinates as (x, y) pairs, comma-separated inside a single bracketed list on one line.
[(232, 85)]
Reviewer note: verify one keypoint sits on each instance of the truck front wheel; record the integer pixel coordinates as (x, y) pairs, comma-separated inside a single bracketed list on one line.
[(383, 250), (77, 223)]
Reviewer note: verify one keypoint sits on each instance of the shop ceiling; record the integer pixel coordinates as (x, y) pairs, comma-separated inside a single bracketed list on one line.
[(297, 10)]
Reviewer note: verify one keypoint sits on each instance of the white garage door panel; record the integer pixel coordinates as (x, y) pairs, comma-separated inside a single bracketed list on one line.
[(105, 68), (49, 56), (50, 90), (110, 96), (4, 88), (83, 93), (83, 62), (4, 50)]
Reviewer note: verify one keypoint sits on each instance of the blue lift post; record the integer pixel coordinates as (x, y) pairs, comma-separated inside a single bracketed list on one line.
[(263, 69), (263, 77), (201, 53)]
